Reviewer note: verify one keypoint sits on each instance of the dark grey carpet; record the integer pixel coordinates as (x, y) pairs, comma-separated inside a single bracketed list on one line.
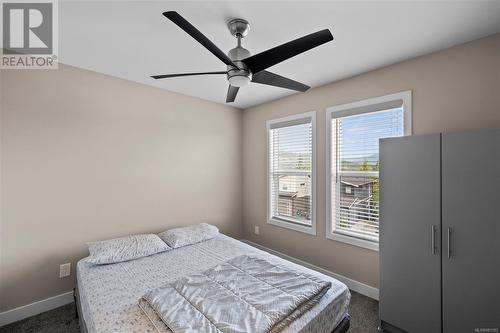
[(364, 314), (363, 311), (60, 320)]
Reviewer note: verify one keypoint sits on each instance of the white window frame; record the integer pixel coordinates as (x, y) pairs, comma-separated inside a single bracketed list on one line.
[(311, 230), (401, 99)]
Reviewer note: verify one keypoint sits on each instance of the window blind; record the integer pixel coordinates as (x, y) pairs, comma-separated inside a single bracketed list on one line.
[(355, 170), (290, 171)]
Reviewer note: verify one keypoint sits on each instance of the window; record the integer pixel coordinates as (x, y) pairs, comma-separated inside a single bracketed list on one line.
[(353, 133), (291, 179)]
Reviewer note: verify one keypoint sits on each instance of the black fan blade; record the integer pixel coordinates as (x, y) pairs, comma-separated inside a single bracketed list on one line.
[(273, 56), (271, 79), (164, 76), (231, 93), (196, 34)]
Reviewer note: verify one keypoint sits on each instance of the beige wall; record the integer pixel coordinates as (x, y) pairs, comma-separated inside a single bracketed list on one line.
[(1, 204), (453, 90), (86, 156)]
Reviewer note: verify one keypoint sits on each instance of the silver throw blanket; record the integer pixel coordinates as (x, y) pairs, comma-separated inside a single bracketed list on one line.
[(244, 294)]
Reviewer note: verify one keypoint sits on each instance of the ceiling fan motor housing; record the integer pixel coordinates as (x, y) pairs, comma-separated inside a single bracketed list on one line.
[(241, 75)]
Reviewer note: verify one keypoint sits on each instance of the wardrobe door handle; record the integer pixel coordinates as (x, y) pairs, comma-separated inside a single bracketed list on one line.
[(449, 245), (433, 233)]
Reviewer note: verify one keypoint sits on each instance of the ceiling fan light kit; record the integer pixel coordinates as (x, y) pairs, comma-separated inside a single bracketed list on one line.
[(242, 67)]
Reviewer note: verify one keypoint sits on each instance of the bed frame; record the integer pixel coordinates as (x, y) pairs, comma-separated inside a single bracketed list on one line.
[(342, 327), (78, 309)]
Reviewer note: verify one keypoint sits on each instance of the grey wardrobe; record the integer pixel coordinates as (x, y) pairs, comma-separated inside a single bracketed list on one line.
[(440, 233)]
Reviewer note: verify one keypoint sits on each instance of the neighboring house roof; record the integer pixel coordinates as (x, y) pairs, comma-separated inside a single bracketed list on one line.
[(356, 181)]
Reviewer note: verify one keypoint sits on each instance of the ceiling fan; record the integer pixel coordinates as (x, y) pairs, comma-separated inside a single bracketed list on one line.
[(243, 68)]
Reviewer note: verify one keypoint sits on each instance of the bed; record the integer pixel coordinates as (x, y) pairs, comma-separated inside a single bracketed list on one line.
[(107, 295)]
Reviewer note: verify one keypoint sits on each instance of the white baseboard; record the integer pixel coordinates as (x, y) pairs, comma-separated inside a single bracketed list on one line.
[(35, 308), (357, 286)]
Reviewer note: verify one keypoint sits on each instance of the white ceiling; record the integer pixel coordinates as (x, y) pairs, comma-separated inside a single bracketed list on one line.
[(133, 40)]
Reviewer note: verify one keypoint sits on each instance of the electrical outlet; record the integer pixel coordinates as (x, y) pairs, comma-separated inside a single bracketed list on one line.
[(257, 230), (65, 270)]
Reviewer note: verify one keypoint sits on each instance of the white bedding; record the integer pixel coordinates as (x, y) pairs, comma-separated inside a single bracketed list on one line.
[(109, 294)]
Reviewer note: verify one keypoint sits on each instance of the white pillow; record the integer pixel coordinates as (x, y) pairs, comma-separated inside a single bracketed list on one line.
[(189, 235), (126, 248)]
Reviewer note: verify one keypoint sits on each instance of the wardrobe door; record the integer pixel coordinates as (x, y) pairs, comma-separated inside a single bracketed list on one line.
[(471, 231), (410, 219)]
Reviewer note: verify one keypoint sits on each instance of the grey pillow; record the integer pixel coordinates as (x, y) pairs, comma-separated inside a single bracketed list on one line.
[(126, 248), (189, 235)]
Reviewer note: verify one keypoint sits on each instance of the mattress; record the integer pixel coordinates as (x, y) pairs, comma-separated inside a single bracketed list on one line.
[(109, 294)]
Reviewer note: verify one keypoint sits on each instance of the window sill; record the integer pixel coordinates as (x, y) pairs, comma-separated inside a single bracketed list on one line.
[(353, 241), (310, 230)]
